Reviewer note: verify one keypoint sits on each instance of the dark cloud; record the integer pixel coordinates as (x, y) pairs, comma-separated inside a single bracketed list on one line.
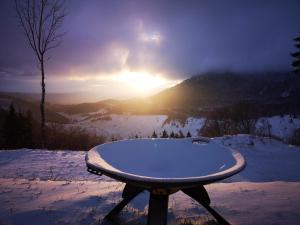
[(195, 36)]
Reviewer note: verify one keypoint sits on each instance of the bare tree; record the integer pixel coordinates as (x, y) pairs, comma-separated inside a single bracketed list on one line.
[(41, 21)]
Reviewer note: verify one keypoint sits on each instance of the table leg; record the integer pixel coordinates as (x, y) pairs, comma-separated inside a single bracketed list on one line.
[(201, 196), (158, 209), (128, 194)]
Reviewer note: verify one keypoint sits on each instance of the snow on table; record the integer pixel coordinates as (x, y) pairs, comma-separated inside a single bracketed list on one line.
[(166, 158)]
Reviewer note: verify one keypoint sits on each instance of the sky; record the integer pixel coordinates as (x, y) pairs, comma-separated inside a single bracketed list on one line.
[(135, 48)]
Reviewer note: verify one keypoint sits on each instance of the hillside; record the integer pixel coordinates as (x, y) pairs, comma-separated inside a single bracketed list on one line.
[(106, 105), (271, 93), (24, 105), (53, 98), (221, 89), (274, 93)]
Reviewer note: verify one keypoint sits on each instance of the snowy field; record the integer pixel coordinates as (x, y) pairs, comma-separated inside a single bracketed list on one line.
[(53, 187), (128, 126)]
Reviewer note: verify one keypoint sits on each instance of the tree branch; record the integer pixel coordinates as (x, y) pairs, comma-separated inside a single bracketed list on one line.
[(41, 21)]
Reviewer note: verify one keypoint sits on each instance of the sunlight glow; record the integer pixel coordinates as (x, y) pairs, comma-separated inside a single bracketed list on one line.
[(143, 82), (122, 84)]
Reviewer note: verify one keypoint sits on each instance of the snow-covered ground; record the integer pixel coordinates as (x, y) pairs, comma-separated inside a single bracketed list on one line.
[(128, 126), (53, 187), (281, 127)]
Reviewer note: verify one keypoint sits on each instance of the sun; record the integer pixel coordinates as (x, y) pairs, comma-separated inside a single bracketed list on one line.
[(143, 82)]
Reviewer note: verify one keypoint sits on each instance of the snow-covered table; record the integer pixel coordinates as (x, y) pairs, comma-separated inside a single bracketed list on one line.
[(163, 167)]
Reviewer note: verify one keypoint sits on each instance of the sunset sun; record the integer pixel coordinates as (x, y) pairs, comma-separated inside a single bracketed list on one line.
[(143, 81)]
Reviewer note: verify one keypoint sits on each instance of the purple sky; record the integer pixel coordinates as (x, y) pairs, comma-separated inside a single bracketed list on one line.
[(110, 42)]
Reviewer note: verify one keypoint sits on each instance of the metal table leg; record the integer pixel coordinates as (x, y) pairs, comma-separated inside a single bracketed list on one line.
[(128, 194), (158, 204), (201, 196), (158, 209)]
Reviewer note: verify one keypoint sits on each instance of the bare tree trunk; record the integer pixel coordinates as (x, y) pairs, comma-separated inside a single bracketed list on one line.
[(41, 21), (42, 104)]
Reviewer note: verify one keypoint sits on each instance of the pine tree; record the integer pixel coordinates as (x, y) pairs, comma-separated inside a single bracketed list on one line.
[(181, 134), (17, 130), (188, 134), (29, 124), (172, 135), (10, 129), (154, 135), (296, 56), (164, 134)]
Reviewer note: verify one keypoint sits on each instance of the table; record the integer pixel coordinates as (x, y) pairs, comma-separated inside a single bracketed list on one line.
[(163, 167)]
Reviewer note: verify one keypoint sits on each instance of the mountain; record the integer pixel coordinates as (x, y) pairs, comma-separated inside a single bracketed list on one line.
[(213, 90), (53, 98), (107, 105), (23, 106), (272, 93)]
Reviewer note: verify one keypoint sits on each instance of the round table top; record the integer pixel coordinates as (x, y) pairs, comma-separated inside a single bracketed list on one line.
[(165, 162)]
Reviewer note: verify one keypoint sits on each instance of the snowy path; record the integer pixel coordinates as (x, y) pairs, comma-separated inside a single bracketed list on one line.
[(53, 187)]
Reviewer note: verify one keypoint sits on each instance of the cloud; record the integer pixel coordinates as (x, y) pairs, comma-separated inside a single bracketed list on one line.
[(175, 39)]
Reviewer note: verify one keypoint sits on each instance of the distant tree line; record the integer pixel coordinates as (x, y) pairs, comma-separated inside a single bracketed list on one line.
[(241, 119), (17, 130), (296, 63), (296, 57), (20, 130), (165, 134), (238, 119)]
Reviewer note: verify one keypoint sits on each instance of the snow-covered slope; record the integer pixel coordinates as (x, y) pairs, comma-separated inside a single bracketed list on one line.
[(53, 187), (281, 127), (128, 126)]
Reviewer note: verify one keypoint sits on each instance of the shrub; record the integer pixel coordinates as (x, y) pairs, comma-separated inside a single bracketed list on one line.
[(21, 131), (73, 138), (295, 139), (237, 119), (17, 130)]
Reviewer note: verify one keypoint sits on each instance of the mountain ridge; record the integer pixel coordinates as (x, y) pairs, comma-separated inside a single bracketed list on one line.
[(204, 92)]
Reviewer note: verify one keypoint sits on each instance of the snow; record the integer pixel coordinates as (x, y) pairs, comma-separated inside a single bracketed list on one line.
[(281, 127), (122, 126), (267, 159), (266, 192), (44, 165), (167, 158), (128, 126)]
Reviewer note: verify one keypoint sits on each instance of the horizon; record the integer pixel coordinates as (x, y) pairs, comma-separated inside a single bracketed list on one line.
[(138, 48), (66, 98)]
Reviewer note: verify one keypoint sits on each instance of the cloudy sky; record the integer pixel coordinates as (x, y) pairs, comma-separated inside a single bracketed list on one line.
[(121, 49)]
